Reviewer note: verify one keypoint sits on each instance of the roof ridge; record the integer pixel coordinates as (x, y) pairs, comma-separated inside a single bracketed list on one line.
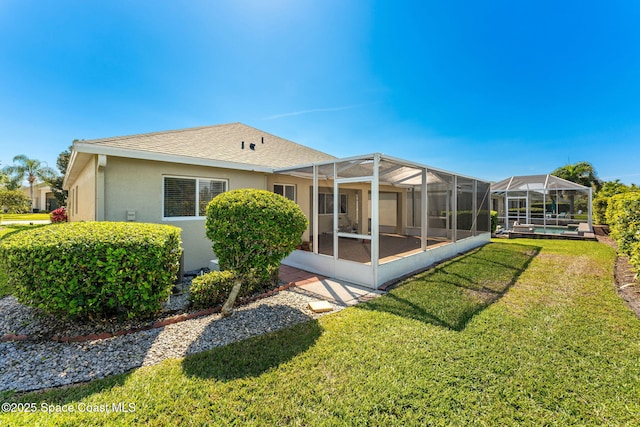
[(163, 132), (288, 140)]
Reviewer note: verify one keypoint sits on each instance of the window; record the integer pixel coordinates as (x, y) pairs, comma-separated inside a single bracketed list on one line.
[(188, 197), (325, 204), (285, 190)]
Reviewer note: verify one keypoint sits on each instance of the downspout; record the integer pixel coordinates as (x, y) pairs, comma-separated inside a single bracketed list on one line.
[(100, 190)]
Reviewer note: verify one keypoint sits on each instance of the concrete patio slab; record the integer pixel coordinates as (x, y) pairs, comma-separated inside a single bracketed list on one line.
[(338, 291), (324, 288)]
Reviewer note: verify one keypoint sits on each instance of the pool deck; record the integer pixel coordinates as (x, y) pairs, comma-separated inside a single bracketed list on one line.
[(563, 236)]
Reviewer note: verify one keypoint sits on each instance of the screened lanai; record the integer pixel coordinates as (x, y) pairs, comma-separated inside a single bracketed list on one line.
[(374, 218), (543, 203)]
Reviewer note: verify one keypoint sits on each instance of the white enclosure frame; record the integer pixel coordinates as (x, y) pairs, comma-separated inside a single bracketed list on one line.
[(398, 173), (550, 190)]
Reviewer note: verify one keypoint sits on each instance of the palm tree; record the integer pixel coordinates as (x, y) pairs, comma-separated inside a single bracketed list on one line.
[(31, 170), (582, 173)]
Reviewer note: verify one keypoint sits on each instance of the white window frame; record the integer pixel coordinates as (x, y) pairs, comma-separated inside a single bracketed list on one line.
[(197, 180), (330, 196), (284, 186)]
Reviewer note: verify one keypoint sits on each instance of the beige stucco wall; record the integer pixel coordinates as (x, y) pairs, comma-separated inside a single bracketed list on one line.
[(82, 194), (137, 185), (41, 194)]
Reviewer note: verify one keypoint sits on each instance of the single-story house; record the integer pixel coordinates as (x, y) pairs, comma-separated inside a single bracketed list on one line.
[(372, 218), (43, 198)]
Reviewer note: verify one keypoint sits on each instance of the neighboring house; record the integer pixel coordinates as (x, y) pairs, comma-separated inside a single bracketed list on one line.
[(368, 220), (43, 198)]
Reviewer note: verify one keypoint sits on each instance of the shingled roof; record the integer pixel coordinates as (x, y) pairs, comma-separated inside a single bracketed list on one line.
[(223, 143)]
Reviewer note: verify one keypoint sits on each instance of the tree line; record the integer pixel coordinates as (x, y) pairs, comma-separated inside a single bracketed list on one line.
[(13, 200), (34, 171)]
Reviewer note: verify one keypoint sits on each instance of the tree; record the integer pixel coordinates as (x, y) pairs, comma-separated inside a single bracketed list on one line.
[(56, 183), (13, 201), (9, 182), (252, 231), (30, 169), (582, 173)]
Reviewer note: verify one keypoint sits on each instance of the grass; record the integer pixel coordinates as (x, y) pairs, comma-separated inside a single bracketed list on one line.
[(24, 217), (522, 332)]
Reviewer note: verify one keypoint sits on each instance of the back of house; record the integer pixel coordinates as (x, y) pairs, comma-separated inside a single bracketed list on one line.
[(169, 177)]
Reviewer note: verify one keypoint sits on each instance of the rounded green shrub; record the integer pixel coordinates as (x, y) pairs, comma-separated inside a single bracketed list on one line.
[(252, 231), (93, 269), (211, 289)]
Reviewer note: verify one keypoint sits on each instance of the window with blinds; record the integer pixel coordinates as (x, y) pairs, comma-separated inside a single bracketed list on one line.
[(207, 190), (285, 190), (188, 197)]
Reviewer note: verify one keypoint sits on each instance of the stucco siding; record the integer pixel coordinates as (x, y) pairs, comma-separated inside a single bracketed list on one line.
[(137, 186), (82, 194)]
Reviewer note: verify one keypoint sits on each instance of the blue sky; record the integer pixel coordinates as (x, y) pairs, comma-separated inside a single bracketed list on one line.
[(489, 89)]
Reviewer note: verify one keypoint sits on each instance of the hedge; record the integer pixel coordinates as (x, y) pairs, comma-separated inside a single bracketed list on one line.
[(623, 217), (93, 269)]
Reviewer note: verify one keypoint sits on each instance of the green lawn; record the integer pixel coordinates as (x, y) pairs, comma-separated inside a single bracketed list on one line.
[(24, 217), (521, 332)]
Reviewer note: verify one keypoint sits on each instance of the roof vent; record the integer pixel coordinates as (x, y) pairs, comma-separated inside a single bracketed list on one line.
[(243, 145), (263, 139), (252, 146)]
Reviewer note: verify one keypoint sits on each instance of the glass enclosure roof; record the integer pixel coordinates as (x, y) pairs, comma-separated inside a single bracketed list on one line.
[(392, 171), (535, 182)]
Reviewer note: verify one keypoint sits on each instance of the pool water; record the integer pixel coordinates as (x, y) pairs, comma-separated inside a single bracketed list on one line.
[(552, 229)]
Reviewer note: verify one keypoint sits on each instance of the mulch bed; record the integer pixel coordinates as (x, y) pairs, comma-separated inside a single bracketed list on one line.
[(625, 278)]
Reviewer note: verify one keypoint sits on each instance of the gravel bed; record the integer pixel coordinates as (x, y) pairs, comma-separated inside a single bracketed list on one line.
[(28, 366), (18, 319)]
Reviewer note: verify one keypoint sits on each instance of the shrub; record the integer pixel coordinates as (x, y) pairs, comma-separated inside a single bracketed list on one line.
[(599, 205), (211, 289), (59, 215), (14, 202), (252, 231), (93, 269), (623, 217), (494, 221)]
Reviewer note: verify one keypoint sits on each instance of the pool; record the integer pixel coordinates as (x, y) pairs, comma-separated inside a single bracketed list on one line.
[(554, 229)]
